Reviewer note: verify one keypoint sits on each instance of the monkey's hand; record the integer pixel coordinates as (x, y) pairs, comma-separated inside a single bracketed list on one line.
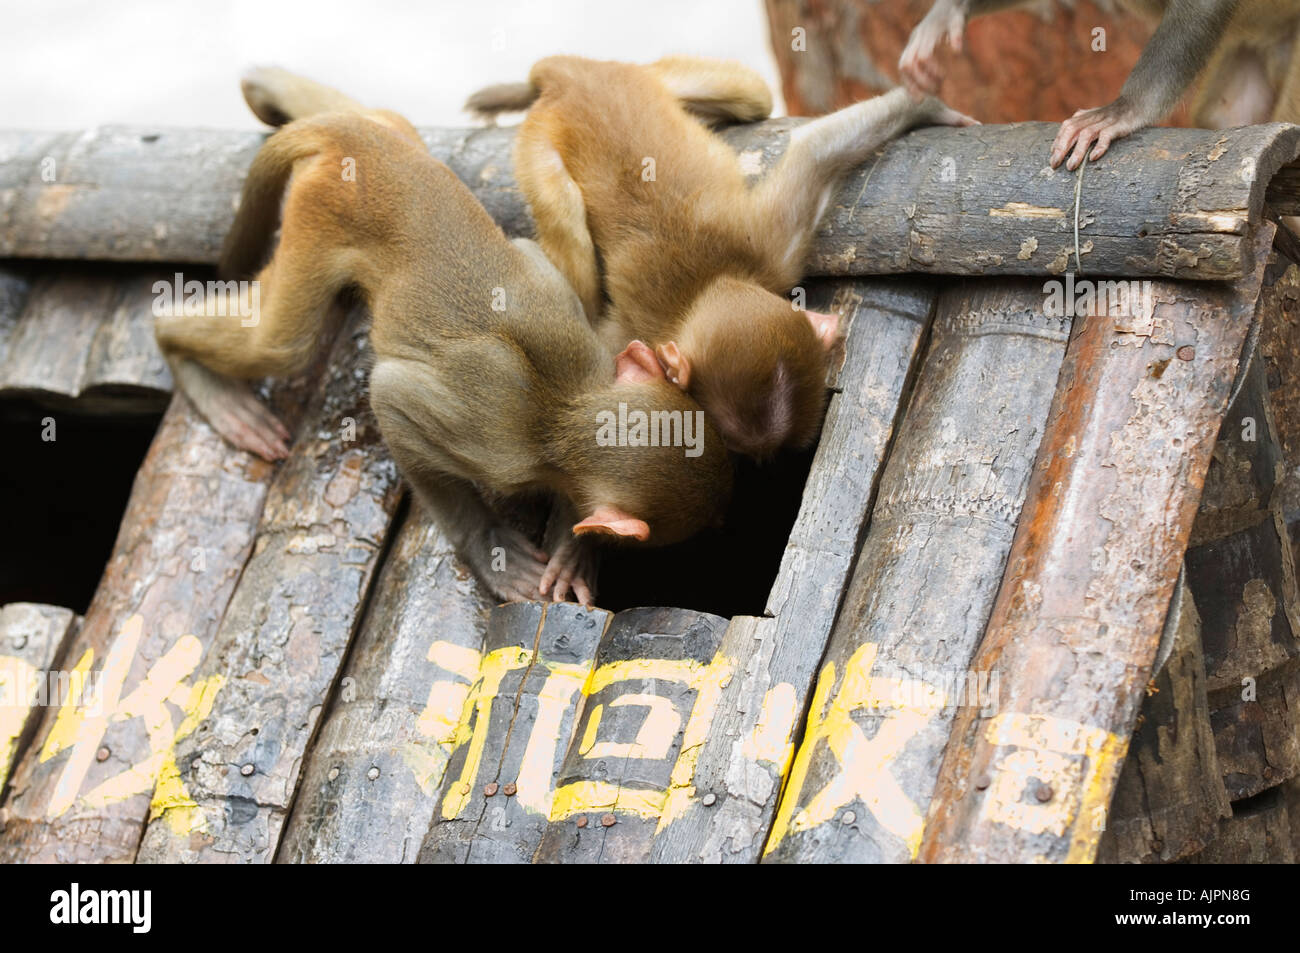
[(508, 562), (572, 567), (1102, 125), (919, 67), (233, 410)]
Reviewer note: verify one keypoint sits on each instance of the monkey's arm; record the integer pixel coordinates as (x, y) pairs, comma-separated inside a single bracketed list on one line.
[(791, 200), (918, 67), (1175, 54)]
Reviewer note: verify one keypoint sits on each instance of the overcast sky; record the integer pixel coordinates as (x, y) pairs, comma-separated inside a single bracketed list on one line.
[(71, 65)]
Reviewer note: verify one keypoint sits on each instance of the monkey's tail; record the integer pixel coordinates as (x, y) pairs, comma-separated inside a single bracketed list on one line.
[(501, 98), (277, 96), (247, 243)]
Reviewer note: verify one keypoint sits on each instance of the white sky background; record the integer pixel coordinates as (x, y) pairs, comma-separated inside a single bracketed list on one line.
[(71, 65)]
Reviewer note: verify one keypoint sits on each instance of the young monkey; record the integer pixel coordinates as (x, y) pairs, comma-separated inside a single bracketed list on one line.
[(486, 373), (617, 169)]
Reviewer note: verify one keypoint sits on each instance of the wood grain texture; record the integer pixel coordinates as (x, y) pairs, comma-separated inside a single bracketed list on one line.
[(977, 201), (32, 639), (372, 776), (744, 760), (278, 652), (647, 708), (82, 791), (1169, 797), (1260, 831), (896, 670), (1077, 622), (516, 725)]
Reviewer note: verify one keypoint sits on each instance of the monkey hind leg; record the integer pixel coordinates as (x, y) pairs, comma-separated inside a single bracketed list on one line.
[(715, 90), (560, 212)]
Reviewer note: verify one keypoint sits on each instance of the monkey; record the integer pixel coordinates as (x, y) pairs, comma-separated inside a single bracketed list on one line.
[(648, 214), (486, 376), (1243, 47)]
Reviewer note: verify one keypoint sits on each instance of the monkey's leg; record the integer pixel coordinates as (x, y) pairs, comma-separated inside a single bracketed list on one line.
[(714, 89), (574, 561), (561, 214), (404, 396), (270, 327), (1286, 104)]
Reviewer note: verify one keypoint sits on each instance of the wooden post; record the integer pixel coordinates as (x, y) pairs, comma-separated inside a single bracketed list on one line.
[(942, 525), (372, 777), (1074, 631)]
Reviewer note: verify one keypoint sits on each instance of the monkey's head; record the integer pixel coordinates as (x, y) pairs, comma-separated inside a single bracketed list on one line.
[(756, 365), (647, 466)]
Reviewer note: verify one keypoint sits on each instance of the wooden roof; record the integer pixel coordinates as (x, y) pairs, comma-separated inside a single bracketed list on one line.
[(293, 666)]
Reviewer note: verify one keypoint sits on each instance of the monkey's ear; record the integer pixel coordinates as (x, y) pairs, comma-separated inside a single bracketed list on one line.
[(676, 364), (637, 363), (611, 521), (827, 327)]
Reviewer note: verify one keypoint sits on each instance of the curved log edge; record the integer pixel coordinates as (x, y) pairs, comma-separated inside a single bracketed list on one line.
[(1175, 203)]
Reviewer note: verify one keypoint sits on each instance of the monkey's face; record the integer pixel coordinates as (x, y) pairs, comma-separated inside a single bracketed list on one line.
[(758, 367)]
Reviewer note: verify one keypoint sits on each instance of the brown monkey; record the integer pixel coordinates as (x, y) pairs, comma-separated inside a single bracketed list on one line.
[(694, 260), (1244, 48), (486, 373)]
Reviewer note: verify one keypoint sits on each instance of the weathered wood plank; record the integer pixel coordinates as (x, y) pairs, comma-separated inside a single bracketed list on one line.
[(31, 639), (896, 669), (371, 780), (1169, 798), (978, 201), (1279, 347), (15, 288), (1079, 614), (517, 723), (744, 760), (124, 358), (1260, 831), (646, 711), (82, 791), (51, 344), (283, 636), (1257, 731)]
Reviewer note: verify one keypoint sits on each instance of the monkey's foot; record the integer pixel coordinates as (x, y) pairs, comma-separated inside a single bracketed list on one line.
[(512, 566), (247, 423), (1102, 125), (919, 67), (573, 567)]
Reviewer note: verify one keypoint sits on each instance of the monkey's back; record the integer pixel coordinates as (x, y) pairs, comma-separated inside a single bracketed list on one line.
[(662, 192)]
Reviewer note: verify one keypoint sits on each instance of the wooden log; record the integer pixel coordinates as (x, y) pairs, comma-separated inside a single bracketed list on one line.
[(1079, 614), (978, 201), (517, 723), (372, 777), (745, 757), (1257, 731), (1169, 797), (82, 791), (1260, 831), (647, 709), (277, 654), (51, 344), (895, 672), (83, 340), (32, 639)]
